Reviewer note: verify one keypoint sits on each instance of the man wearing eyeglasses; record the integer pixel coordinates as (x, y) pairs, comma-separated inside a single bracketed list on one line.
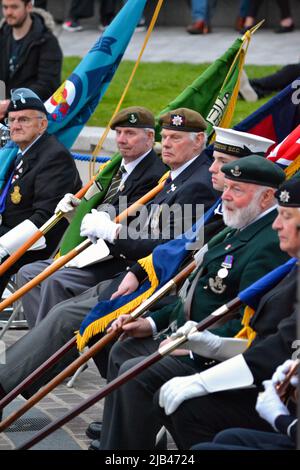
[(42, 173)]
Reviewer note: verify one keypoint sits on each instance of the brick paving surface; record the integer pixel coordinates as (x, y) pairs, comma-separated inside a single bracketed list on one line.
[(62, 399)]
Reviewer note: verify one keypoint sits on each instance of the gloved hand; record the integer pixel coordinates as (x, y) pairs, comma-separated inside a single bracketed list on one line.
[(209, 345), (269, 405), (179, 389), (67, 205), (282, 371), (3, 253), (203, 343), (98, 225)]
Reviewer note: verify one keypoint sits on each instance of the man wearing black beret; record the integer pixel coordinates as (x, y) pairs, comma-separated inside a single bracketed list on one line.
[(41, 173)]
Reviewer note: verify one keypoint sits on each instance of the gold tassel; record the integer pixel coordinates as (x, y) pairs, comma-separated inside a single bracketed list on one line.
[(247, 332), (98, 326)]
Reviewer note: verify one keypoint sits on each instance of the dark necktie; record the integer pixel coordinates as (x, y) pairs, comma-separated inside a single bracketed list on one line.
[(18, 167), (114, 186)]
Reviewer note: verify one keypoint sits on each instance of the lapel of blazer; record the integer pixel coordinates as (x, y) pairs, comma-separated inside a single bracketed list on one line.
[(136, 175), (238, 239), (166, 195), (32, 155)]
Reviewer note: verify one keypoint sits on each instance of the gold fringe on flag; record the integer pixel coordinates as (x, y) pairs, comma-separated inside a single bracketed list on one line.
[(247, 332)]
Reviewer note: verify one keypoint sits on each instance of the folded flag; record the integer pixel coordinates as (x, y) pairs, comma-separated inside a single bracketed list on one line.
[(164, 264), (72, 104), (252, 295)]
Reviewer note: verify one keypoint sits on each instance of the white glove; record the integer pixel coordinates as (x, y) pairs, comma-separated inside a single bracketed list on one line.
[(98, 225), (3, 253), (68, 205), (203, 343), (282, 371), (208, 344), (179, 389), (269, 405)]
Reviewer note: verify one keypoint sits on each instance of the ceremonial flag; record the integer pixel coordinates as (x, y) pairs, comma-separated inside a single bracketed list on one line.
[(213, 94), (287, 153), (75, 100), (275, 119), (252, 295), (160, 266)]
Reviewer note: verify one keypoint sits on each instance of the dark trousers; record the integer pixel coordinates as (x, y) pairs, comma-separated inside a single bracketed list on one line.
[(283, 5), (85, 9), (277, 81), (130, 421), (247, 439), (200, 419)]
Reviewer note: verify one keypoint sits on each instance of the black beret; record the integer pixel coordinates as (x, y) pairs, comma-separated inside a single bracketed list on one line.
[(24, 98), (288, 194)]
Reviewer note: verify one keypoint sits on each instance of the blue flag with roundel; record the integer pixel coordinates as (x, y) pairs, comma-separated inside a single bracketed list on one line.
[(72, 104)]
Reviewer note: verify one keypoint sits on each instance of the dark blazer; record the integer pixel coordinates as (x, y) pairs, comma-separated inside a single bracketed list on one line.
[(144, 177), (39, 67), (192, 186), (49, 172), (255, 252), (275, 322)]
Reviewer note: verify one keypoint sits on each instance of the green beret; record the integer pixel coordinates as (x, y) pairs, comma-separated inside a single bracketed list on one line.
[(134, 116), (254, 169), (183, 119), (288, 194)]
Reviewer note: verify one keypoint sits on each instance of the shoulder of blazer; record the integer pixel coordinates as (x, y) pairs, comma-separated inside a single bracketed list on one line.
[(193, 169), (257, 226)]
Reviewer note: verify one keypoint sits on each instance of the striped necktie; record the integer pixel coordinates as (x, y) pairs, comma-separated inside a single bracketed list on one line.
[(18, 167), (114, 186)]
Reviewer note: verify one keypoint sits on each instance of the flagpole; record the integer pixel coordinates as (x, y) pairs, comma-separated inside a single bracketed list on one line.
[(39, 233), (61, 261), (222, 313), (58, 216), (137, 63), (83, 358)]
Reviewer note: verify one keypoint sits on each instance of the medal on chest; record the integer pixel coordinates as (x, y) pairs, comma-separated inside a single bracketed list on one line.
[(217, 284), (16, 196)]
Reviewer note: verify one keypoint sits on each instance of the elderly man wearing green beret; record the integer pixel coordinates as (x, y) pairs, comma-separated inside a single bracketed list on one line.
[(205, 405), (228, 266)]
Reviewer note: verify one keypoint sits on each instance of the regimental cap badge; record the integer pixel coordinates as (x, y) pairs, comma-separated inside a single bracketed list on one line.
[(177, 120), (133, 118), (284, 196), (236, 171)]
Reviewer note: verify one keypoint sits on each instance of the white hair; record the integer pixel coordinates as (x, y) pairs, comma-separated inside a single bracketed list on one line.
[(244, 216)]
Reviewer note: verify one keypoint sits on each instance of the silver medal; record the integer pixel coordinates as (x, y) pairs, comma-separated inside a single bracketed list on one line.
[(222, 273)]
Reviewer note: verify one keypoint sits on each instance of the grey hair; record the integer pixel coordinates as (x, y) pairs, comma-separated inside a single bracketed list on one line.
[(261, 189), (193, 136)]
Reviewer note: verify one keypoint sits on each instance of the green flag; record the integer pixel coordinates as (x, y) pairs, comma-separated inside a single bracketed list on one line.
[(92, 199), (213, 88)]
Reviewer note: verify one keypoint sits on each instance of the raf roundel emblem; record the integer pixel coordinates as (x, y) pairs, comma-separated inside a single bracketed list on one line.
[(236, 171), (284, 196)]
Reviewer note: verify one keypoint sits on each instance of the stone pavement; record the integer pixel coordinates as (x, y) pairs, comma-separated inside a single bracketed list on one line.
[(63, 399), (175, 45)]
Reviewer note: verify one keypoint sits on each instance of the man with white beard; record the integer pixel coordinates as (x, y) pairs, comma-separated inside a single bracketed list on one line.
[(228, 266)]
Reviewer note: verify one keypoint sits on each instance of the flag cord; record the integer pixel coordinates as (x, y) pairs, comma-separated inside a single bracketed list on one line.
[(104, 135)]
